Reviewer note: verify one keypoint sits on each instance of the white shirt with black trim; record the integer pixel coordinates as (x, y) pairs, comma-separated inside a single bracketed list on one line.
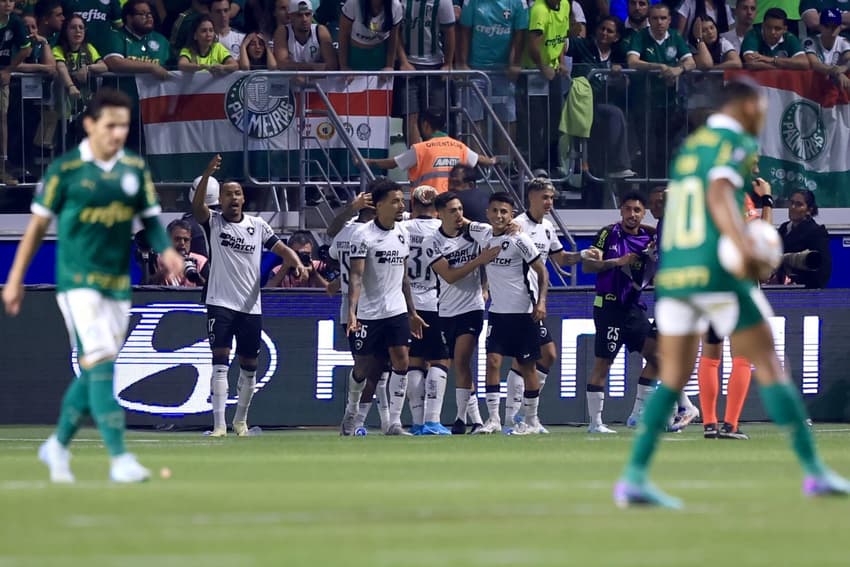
[(465, 294), (340, 250), (507, 273), (423, 282), (385, 251), (236, 249), (545, 238)]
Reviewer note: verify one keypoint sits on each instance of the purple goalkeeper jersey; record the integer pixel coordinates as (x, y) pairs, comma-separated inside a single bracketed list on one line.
[(624, 284)]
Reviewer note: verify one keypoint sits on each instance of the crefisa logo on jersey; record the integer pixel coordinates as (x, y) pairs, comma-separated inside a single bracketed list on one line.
[(165, 364), (262, 104), (803, 131)]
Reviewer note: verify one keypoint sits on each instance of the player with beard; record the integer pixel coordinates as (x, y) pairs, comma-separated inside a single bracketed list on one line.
[(533, 222), (456, 258), (516, 309), (232, 293), (626, 267), (381, 313)]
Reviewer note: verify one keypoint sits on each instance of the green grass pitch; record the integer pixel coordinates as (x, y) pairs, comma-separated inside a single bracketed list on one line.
[(314, 499)]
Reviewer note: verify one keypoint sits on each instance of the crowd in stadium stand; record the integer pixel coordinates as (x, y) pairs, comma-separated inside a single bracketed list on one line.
[(69, 42)]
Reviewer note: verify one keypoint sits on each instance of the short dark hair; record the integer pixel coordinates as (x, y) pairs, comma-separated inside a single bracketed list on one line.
[(434, 118), (176, 224), (299, 238), (633, 196), (44, 7), (130, 7), (660, 6), (104, 98), (467, 171), (739, 88), (809, 198), (502, 197), (776, 14), (381, 187), (442, 200), (619, 27), (658, 189)]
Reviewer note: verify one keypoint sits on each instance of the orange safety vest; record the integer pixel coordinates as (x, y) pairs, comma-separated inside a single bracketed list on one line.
[(435, 159)]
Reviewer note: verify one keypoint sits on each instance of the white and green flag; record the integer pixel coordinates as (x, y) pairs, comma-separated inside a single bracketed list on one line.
[(806, 140)]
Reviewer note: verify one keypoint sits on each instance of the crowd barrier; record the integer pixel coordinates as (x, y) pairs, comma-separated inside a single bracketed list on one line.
[(292, 131), (162, 373)]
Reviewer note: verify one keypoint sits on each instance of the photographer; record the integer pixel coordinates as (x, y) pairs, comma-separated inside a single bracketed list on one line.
[(302, 243), (807, 260), (180, 233)]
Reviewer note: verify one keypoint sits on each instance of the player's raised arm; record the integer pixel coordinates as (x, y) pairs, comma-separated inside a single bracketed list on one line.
[(199, 208), (452, 275)]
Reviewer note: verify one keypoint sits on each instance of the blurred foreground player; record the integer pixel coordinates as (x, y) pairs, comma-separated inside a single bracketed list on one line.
[(94, 191), (705, 199)]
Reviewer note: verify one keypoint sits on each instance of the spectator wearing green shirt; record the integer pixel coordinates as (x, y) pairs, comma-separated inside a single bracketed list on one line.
[(810, 11), (76, 61), (101, 17), (772, 47), (181, 31), (548, 28), (659, 117), (15, 47), (203, 52)]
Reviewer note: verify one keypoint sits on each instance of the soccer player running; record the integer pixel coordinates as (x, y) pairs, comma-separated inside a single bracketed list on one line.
[(705, 199), (381, 313), (626, 266), (456, 259), (541, 198), (516, 310), (94, 191), (429, 357), (232, 293)]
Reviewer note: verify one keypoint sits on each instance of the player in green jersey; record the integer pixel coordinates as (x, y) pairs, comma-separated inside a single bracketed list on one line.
[(94, 192), (704, 200)]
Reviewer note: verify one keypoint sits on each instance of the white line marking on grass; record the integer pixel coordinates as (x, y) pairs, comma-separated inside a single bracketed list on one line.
[(819, 430)]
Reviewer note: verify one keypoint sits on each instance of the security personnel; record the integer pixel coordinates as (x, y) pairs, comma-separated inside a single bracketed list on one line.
[(430, 162)]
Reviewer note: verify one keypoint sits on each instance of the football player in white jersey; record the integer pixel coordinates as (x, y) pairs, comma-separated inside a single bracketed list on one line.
[(456, 259), (533, 222), (428, 355), (232, 293), (381, 313), (516, 311)]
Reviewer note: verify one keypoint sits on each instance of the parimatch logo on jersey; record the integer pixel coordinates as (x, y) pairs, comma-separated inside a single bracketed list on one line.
[(392, 257), (262, 104), (236, 244)]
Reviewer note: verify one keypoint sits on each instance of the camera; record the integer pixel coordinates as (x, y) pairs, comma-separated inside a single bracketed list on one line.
[(805, 261), (305, 258), (190, 270)]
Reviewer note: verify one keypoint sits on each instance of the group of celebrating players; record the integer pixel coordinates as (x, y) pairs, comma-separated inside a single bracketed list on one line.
[(414, 294)]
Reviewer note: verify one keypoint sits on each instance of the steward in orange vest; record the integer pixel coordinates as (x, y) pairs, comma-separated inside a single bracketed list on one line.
[(430, 162)]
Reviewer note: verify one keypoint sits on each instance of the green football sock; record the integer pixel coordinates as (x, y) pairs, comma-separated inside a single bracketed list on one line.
[(785, 407), (75, 407), (108, 415), (652, 423)]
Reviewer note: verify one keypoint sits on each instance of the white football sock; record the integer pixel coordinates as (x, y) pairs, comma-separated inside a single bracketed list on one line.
[(542, 377), (462, 398), (493, 399), (472, 409), (219, 395), (435, 391), (355, 390), (382, 399), (685, 401), (245, 390), (416, 394), (513, 401), (396, 390), (362, 413), (529, 406), (641, 396), (595, 401)]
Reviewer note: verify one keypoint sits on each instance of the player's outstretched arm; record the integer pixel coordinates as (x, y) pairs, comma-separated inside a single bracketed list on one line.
[(591, 265), (13, 291), (290, 260), (199, 207), (361, 201), (452, 275)]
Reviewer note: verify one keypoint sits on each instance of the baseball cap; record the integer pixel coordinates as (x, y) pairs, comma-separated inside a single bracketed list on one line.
[(830, 17), (211, 198), (300, 6)]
